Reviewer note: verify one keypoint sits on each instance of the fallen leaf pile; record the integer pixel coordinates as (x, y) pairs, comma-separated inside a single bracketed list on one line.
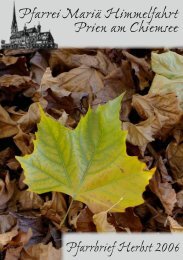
[(67, 83)]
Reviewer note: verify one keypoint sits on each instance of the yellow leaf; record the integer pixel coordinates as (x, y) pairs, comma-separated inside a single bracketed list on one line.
[(89, 163)]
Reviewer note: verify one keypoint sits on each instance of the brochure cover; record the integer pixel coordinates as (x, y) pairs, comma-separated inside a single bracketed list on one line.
[(91, 129)]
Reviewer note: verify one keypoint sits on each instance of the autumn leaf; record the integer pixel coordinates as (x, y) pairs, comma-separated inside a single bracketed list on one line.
[(101, 222), (175, 154), (54, 209), (102, 225), (41, 251), (74, 213), (168, 64), (29, 200), (7, 188), (81, 79), (175, 227), (13, 66), (120, 80), (16, 81), (161, 186), (143, 133), (89, 163), (141, 68), (85, 221), (38, 67), (7, 237), (7, 221), (73, 58), (7, 125), (8, 60), (164, 107), (169, 74)]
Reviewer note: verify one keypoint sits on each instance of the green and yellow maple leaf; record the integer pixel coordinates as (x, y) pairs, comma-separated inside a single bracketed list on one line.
[(89, 163)]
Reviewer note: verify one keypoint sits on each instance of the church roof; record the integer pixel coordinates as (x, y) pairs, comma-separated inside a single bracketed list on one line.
[(31, 30), (28, 32), (14, 21), (48, 35), (17, 35)]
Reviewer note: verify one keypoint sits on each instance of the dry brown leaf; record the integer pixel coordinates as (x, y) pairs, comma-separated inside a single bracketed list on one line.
[(143, 133), (5, 155), (85, 221), (175, 227), (82, 79), (55, 98), (13, 253), (162, 188), (180, 199), (7, 188), (24, 142), (127, 220), (8, 60), (48, 81), (29, 220), (13, 66), (74, 213), (100, 62), (178, 132), (30, 118), (6, 223), (38, 67), (13, 164), (28, 200), (25, 121), (118, 81), (75, 58), (102, 225), (15, 115), (21, 184), (7, 125), (61, 59), (163, 105), (22, 238), (10, 85), (14, 52), (16, 245), (6, 238), (55, 209), (7, 159), (16, 81), (139, 135), (175, 160), (63, 118), (142, 69), (41, 251)]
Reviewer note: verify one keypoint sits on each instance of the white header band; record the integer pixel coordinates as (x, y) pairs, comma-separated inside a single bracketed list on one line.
[(122, 246), (117, 23)]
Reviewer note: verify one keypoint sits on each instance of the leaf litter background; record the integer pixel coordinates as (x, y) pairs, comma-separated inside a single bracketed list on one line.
[(66, 82)]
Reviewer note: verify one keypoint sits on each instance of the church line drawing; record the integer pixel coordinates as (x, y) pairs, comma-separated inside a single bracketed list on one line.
[(28, 38)]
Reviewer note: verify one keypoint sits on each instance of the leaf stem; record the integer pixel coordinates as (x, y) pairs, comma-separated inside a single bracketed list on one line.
[(114, 205), (66, 214)]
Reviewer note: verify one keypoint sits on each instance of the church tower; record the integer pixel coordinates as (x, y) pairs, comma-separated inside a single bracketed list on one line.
[(39, 28), (14, 26)]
